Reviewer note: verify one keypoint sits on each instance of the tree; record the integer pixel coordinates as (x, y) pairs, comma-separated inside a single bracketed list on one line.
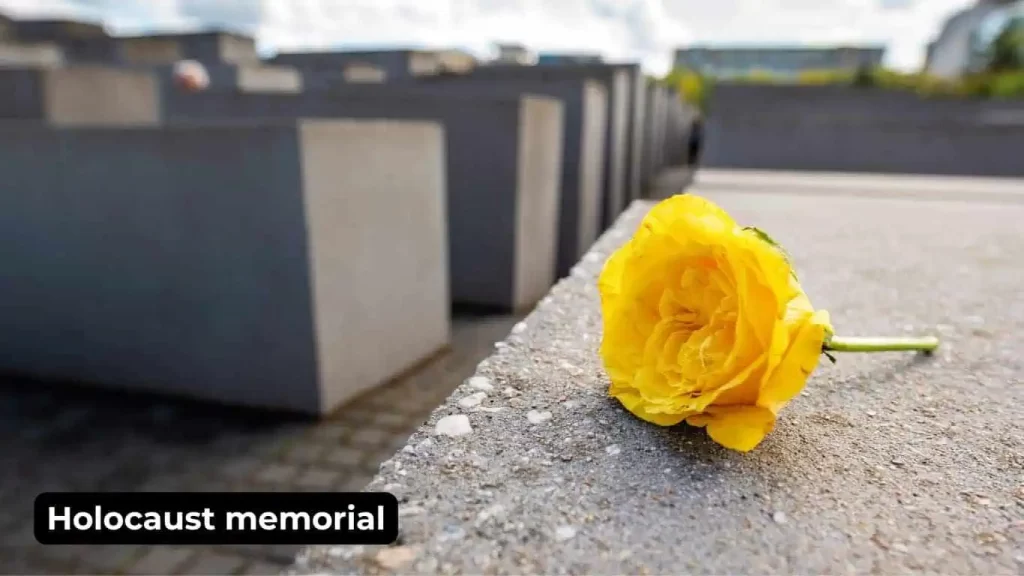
[(1007, 51)]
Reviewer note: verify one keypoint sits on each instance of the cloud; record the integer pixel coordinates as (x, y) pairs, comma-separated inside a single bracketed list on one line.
[(644, 30)]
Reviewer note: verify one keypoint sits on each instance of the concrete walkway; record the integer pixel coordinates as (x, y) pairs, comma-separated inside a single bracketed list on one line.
[(888, 463)]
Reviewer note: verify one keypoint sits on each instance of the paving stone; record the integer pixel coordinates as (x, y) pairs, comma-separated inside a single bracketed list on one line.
[(370, 437), (305, 452), (22, 535), (12, 562), (109, 441), (317, 478), (418, 405), (346, 457), (235, 444), (392, 420), (160, 560), (355, 483), (241, 467), (69, 555), (399, 440), (277, 554), (263, 569), (373, 461), (331, 432), (277, 474), (165, 484), (110, 559), (214, 563)]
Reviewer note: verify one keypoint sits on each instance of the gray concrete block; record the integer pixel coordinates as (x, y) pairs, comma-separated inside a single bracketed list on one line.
[(80, 96), (36, 55), (585, 112), (653, 133), (679, 117), (207, 47), (322, 70), (504, 171), (289, 265), (236, 78), (330, 65), (638, 110), (80, 41), (616, 81)]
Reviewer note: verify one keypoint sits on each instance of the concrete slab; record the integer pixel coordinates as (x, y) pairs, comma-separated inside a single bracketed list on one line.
[(654, 133), (638, 109), (80, 96), (504, 170), (213, 47), (585, 111), (79, 41), (235, 78), (322, 70), (36, 55), (288, 265), (888, 463), (616, 80)]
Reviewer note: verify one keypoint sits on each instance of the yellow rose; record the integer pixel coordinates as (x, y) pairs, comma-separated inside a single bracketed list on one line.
[(704, 321)]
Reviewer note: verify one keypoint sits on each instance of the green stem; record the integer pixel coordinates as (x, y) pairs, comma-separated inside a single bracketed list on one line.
[(852, 344)]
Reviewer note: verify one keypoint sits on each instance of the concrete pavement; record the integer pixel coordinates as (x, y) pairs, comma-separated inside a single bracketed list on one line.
[(888, 463)]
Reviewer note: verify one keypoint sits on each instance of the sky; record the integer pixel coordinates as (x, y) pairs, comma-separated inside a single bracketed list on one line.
[(647, 31)]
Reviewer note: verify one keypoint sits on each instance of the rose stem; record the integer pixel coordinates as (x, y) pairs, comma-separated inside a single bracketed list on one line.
[(926, 344)]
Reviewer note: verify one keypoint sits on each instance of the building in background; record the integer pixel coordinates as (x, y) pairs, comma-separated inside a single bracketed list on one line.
[(563, 59), (1006, 18), (731, 62), (959, 46)]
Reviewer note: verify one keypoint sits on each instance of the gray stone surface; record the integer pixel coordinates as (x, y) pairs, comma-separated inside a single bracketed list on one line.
[(888, 463), (243, 78), (637, 121), (656, 116), (80, 96), (36, 55), (503, 169), (321, 70), (207, 47), (268, 265), (616, 79), (585, 108)]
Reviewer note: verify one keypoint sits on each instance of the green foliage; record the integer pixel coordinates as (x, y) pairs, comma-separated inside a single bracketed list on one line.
[(1006, 84), (1003, 78), (825, 77), (864, 77), (693, 88), (759, 77), (1006, 54)]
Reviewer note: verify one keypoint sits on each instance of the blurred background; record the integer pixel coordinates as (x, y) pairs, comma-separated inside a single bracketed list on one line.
[(646, 31), (251, 244)]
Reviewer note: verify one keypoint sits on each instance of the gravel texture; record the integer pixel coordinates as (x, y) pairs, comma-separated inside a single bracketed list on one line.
[(888, 463)]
